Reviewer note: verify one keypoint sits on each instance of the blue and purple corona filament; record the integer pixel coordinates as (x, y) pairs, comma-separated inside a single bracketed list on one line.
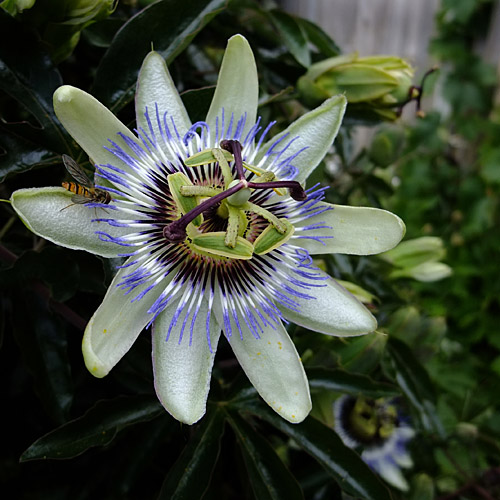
[(250, 288)]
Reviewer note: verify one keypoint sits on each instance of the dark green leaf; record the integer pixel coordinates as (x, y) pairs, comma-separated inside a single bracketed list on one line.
[(146, 441), (293, 36), (42, 340), (97, 427), (18, 154), (415, 384), (101, 34), (190, 476), (349, 383), (197, 102), (269, 477), (166, 26), (324, 445), (56, 267), (319, 38), (28, 75)]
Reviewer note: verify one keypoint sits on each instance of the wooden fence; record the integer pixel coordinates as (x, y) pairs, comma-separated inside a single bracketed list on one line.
[(396, 27)]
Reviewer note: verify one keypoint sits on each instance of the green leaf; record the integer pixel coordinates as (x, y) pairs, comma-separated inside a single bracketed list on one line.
[(319, 38), (293, 36), (349, 383), (361, 354), (268, 475), (415, 384), (191, 474), (43, 344), (54, 266), (97, 427), (28, 75), (325, 446), (197, 102), (167, 26), (17, 154)]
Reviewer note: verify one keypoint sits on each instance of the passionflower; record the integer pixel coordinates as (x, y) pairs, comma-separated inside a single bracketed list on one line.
[(380, 431), (217, 230)]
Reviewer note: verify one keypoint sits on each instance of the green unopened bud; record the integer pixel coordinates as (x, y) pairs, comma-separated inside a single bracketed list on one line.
[(467, 431), (386, 145), (378, 82), (411, 253), (14, 7), (61, 21), (426, 272)]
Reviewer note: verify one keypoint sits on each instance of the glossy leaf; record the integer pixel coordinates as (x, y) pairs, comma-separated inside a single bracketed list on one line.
[(293, 36), (17, 154), (191, 474), (269, 477), (167, 26), (349, 383), (43, 344), (54, 266), (197, 102), (415, 384), (325, 446), (27, 74), (97, 427), (319, 38)]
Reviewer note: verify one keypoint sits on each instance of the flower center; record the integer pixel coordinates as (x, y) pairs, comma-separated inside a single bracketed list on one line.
[(231, 202)]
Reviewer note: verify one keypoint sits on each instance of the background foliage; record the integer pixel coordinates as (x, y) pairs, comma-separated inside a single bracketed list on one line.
[(438, 345)]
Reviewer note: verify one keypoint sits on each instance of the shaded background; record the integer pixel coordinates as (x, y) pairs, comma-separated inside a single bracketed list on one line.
[(436, 354)]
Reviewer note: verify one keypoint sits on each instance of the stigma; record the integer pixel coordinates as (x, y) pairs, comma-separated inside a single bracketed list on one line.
[(204, 209)]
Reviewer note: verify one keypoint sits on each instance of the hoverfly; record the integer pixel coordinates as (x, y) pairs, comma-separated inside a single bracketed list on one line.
[(83, 190)]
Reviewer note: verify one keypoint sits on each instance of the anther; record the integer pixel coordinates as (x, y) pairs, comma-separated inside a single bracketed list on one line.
[(296, 190)]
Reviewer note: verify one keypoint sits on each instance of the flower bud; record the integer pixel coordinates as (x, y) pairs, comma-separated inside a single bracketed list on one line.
[(14, 7), (428, 271), (417, 251), (373, 83), (60, 22), (418, 259)]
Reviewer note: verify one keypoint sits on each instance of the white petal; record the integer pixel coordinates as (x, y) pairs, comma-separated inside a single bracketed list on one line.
[(352, 230), (237, 90), (182, 372), (50, 213), (391, 473), (332, 310), (117, 323), (273, 367), (316, 131), (155, 86), (90, 123)]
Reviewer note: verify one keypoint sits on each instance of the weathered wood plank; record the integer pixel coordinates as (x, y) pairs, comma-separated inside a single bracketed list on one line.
[(398, 27)]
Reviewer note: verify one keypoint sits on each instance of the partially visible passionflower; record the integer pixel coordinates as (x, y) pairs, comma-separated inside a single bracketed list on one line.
[(377, 429)]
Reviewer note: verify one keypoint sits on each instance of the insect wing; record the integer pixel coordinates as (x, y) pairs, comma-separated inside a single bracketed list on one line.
[(76, 171), (79, 199)]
